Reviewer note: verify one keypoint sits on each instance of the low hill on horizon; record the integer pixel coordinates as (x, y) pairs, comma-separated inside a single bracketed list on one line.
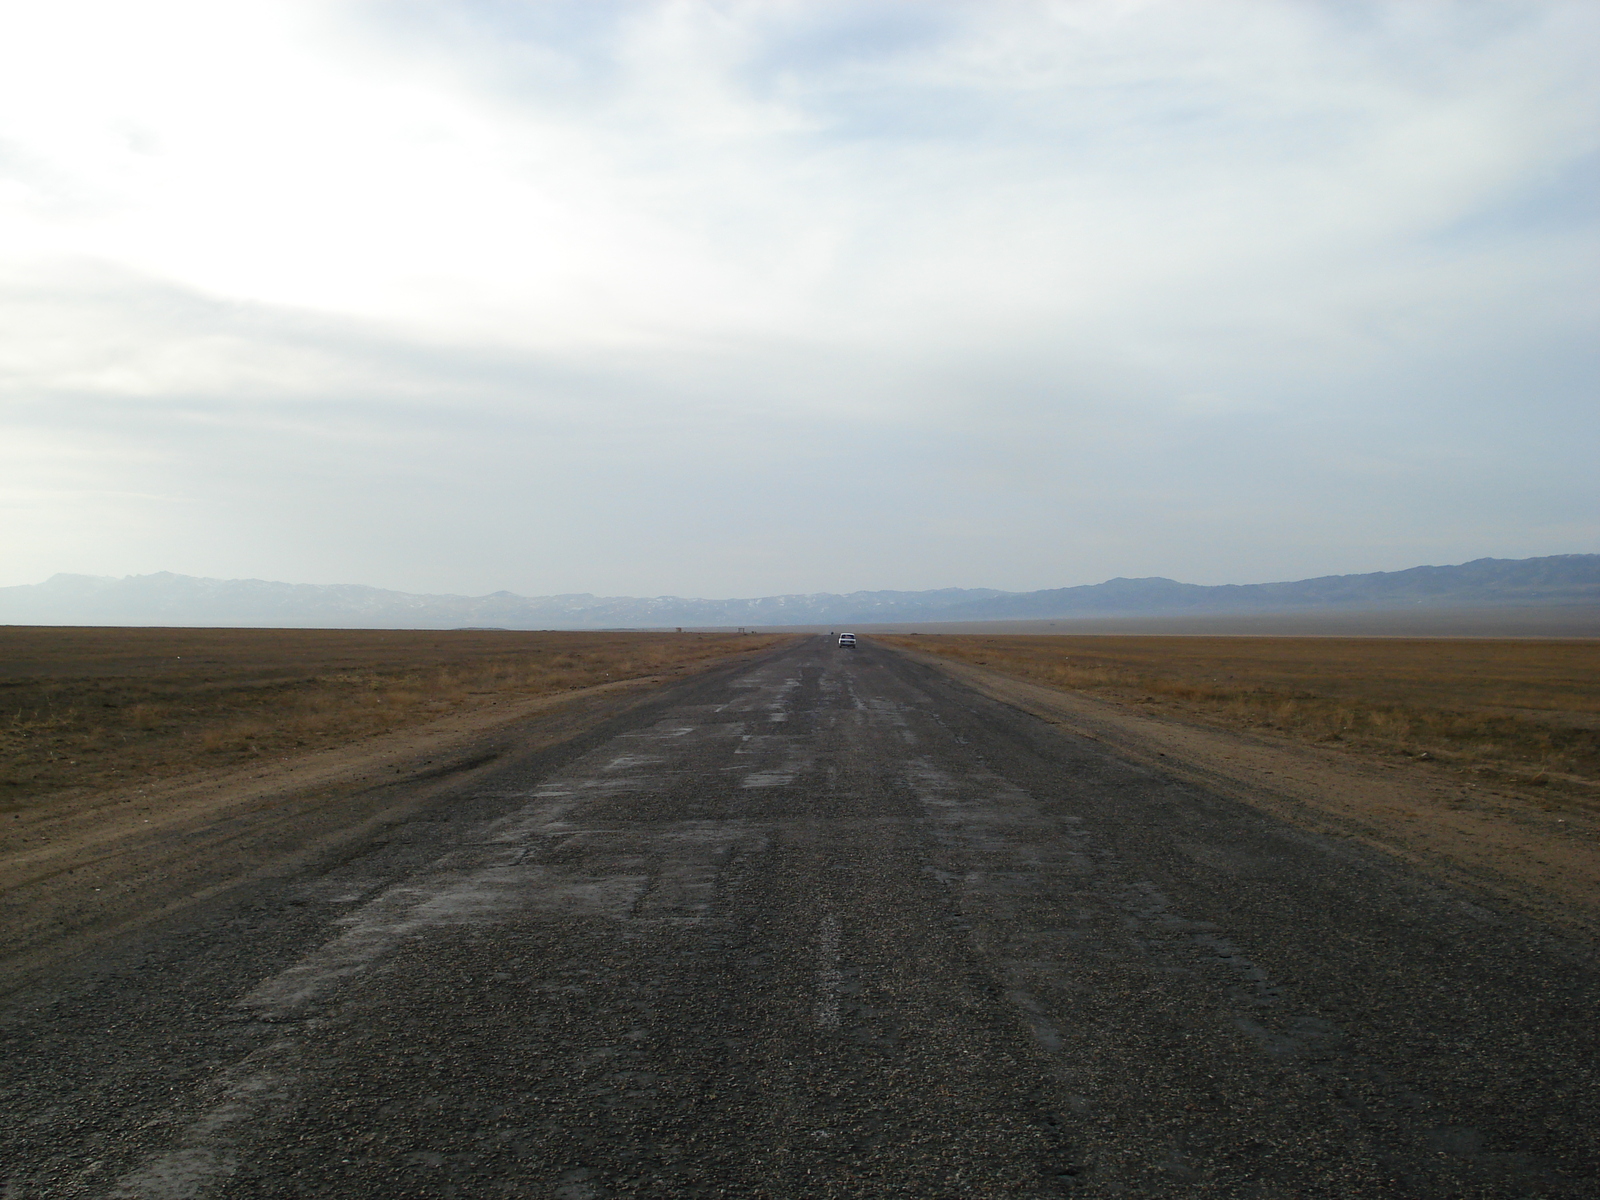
[(184, 600)]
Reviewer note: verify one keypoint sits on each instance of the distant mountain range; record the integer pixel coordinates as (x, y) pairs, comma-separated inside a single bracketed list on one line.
[(183, 600)]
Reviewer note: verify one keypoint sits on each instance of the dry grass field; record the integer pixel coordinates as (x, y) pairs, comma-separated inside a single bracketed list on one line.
[(94, 708), (1526, 712)]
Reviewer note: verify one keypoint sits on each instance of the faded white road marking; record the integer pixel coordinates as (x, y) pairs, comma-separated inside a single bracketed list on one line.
[(796, 758), (484, 896), (766, 779), (208, 1151), (829, 977), (624, 762)]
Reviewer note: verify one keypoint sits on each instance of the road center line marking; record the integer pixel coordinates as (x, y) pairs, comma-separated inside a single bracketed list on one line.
[(829, 977)]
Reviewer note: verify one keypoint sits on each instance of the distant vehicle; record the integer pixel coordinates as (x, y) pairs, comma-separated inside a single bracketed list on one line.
[(847, 640)]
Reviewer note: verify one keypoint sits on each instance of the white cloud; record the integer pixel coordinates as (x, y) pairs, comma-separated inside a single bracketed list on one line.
[(973, 265)]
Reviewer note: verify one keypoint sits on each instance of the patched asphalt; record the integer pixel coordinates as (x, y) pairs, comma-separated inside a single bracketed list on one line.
[(825, 924)]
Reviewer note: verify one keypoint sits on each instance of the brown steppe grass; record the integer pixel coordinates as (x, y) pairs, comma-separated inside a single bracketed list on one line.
[(1525, 713), (90, 708)]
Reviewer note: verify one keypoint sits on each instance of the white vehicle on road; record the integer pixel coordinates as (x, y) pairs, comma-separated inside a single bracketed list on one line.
[(847, 640)]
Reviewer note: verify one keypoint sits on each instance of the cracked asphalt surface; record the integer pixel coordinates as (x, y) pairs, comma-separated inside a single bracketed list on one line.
[(827, 923)]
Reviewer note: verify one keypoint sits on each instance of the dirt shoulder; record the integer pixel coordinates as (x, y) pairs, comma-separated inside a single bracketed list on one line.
[(1495, 842), (95, 863)]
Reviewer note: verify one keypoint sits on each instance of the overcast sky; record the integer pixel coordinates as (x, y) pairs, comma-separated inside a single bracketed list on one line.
[(721, 298)]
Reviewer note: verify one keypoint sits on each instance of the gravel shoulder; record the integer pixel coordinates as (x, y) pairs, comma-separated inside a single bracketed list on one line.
[(1497, 843)]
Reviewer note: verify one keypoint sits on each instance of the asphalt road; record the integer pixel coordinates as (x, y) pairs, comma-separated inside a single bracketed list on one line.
[(828, 924)]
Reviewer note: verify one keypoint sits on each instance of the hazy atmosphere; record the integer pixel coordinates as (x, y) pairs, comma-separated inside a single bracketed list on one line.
[(736, 299)]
